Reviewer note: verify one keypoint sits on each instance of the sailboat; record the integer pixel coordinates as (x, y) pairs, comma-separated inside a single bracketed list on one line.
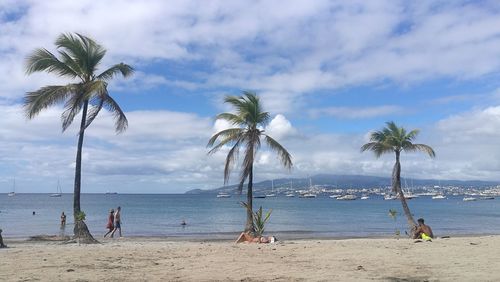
[(59, 191), (13, 193), (272, 190), (290, 194), (309, 194)]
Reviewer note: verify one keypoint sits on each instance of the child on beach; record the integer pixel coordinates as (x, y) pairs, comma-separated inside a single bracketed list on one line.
[(110, 226)]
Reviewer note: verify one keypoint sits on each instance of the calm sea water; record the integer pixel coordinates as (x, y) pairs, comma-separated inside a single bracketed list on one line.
[(211, 217)]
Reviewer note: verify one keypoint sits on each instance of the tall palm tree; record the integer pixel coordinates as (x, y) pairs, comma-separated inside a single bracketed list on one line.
[(78, 59), (396, 139), (247, 120)]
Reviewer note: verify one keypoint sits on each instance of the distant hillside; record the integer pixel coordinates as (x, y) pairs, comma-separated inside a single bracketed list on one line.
[(346, 182)]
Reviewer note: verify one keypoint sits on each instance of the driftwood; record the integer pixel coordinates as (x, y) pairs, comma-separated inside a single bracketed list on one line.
[(49, 238)]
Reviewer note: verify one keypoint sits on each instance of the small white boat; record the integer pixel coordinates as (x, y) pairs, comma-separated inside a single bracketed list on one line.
[(13, 193), (335, 196), (438, 197), (469, 199), (272, 190), (409, 196), (290, 195), (59, 191), (390, 197), (347, 198), (223, 195), (365, 198), (308, 195)]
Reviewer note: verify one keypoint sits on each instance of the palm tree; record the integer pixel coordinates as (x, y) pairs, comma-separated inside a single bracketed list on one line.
[(396, 139), (78, 59), (248, 120)]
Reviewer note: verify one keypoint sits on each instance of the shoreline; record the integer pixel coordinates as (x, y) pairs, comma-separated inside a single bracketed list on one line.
[(153, 259), (232, 236)]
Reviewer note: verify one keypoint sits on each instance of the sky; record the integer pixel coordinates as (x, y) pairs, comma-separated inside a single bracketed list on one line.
[(329, 73)]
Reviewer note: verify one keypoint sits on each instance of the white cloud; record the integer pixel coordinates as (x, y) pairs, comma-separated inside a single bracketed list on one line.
[(280, 128), (356, 112), (284, 50), (250, 45)]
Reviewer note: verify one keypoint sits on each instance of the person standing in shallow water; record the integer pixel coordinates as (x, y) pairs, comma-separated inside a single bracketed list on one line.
[(63, 219), (110, 225), (118, 222)]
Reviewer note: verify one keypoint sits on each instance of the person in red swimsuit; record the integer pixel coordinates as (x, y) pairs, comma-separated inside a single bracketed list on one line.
[(110, 226)]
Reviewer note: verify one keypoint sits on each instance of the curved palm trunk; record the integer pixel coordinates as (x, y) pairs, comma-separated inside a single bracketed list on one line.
[(396, 188), (249, 225), (80, 230)]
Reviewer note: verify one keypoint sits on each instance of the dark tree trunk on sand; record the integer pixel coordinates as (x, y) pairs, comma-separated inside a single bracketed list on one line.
[(249, 225), (2, 245), (396, 188), (81, 232)]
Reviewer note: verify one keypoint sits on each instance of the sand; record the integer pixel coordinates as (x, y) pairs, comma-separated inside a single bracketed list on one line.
[(143, 259)]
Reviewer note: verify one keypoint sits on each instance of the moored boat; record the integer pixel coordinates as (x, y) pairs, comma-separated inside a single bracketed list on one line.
[(469, 199), (347, 198), (223, 195)]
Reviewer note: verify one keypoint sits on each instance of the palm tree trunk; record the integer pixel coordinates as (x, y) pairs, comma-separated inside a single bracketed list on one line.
[(81, 231), (396, 188), (249, 225)]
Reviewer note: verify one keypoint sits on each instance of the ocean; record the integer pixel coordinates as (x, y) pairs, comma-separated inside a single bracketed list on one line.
[(211, 218)]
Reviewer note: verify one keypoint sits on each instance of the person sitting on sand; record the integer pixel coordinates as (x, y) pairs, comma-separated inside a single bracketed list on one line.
[(248, 238), (423, 231), (110, 225)]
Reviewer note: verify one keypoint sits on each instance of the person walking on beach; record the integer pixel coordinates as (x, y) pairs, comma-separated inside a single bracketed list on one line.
[(63, 219), (110, 225), (117, 222)]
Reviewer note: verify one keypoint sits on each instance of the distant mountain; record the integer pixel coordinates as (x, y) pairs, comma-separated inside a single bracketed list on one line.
[(345, 182)]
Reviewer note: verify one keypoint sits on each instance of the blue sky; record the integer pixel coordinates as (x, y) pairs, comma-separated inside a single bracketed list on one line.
[(328, 71)]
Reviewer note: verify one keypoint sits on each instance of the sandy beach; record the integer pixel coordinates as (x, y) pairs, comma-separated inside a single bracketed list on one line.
[(155, 259)]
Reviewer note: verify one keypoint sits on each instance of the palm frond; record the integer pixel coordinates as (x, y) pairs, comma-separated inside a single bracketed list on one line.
[(231, 156), (43, 60), (71, 108), (94, 111), (121, 68), (84, 51), (227, 135), (232, 118), (423, 148), (412, 135), (284, 155), (378, 148), (121, 122), (35, 102), (248, 160)]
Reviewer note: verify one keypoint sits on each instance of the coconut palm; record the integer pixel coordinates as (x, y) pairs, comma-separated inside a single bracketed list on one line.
[(78, 58), (247, 120), (394, 139)]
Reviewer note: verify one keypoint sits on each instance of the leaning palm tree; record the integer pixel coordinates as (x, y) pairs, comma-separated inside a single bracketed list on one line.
[(396, 139), (78, 59), (248, 118)]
